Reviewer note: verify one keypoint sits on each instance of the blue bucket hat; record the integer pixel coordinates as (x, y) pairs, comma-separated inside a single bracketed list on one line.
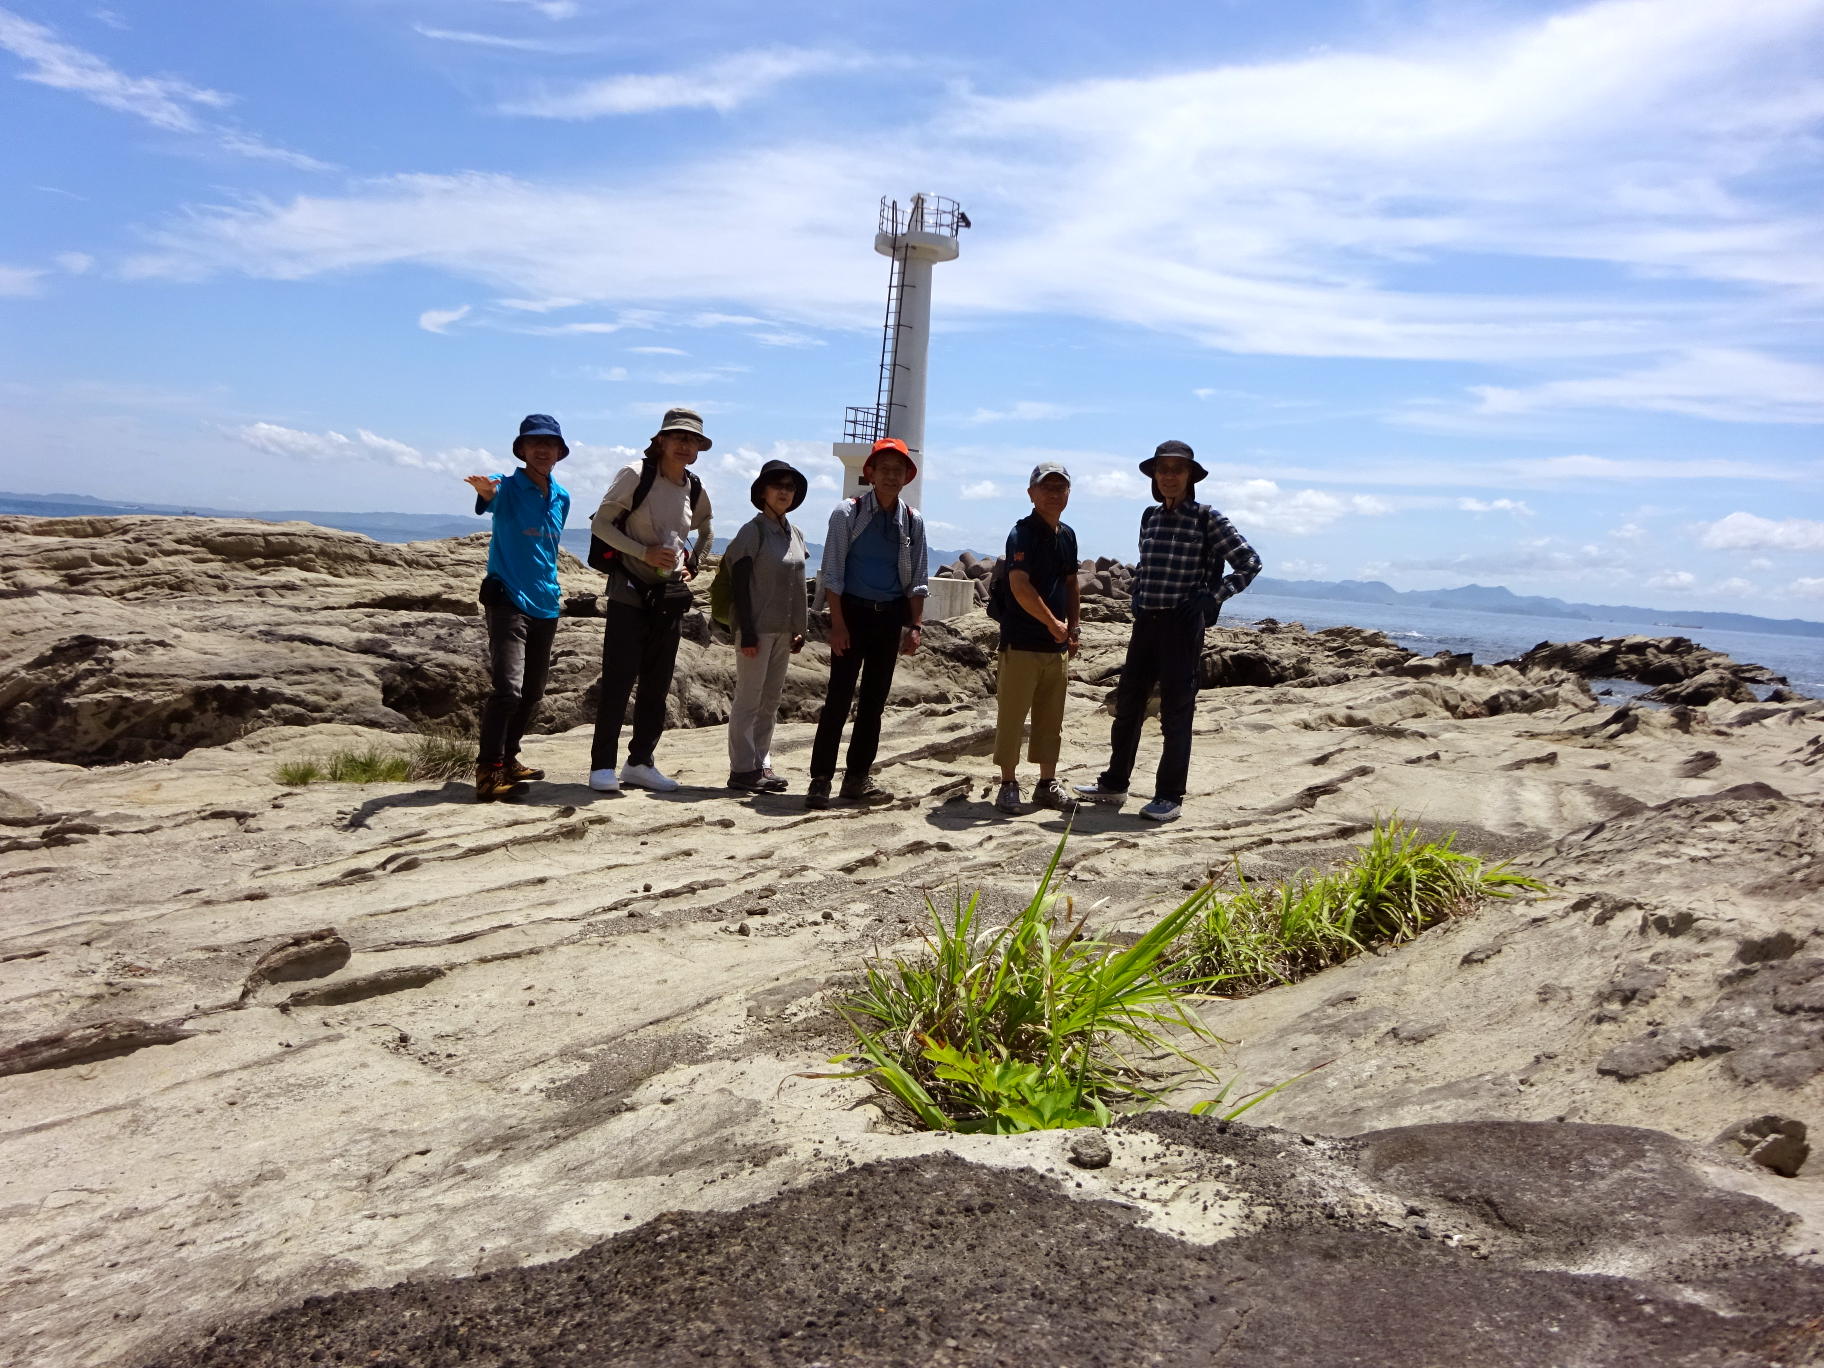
[(539, 425)]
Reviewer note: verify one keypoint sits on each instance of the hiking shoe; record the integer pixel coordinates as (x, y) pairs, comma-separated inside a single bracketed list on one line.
[(522, 774), (817, 796), (647, 777), (864, 790), (747, 781), (1162, 810), (1008, 799), (772, 783), (1051, 794), (603, 781), (493, 782), (1095, 793)]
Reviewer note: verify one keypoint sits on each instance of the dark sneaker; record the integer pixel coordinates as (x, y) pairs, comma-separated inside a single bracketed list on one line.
[(864, 790), (747, 781), (522, 774), (772, 783), (493, 782), (818, 794), (1008, 799), (1095, 793), (1051, 794)]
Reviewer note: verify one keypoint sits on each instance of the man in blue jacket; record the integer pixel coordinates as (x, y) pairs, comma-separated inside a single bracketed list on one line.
[(520, 597)]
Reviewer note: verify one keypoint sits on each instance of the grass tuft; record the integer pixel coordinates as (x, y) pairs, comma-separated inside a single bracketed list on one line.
[(1031, 1026), (1387, 892), (435, 754)]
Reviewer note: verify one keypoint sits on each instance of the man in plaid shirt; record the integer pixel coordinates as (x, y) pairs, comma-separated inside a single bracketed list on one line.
[(1179, 588)]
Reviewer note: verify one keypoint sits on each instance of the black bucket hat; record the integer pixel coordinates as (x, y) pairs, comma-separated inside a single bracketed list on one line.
[(539, 425), (1174, 449), (771, 471), (680, 420)]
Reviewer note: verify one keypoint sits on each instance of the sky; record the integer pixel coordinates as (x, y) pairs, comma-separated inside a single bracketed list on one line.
[(1441, 291)]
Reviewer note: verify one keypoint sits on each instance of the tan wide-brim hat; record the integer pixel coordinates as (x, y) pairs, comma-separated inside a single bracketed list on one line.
[(680, 420)]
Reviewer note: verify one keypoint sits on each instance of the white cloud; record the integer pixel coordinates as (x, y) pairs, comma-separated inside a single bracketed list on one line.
[(1737, 587), (1746, 532), (1307, 569), (658, 351), (708, 376), (611, 373), (1517, 507), (1263, 505), (722, 85), (76, 263), (571, 329), (1809, 587), (657, 410), (981, 489), (1670, 579), (1712, 382), (162, 101), (19, 282), (1632, 533), (439, 320), (1115, 484), (1760, 563), (538, 305), (787, 339), (504, 42), (551, 9), (1024, 411), (1534, 557), (331, 445)]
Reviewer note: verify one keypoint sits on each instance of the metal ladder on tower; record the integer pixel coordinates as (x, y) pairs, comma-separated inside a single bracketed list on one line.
[(889, 345)]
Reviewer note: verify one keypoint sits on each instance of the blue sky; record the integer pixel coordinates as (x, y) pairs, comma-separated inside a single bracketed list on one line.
[(1441, 292)]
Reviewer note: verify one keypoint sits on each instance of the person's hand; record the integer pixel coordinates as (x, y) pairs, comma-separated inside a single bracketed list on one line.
[(661, 558), (839, 639), (1210, 607), (797, 643), (909, 643), (1073, 643), (751, 652), (1059, 632), (482, 485)]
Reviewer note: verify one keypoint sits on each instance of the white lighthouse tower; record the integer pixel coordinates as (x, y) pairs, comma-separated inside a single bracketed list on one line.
[(914, 238)]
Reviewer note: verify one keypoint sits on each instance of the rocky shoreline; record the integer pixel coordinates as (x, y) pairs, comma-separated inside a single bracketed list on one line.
[(429, 1082)]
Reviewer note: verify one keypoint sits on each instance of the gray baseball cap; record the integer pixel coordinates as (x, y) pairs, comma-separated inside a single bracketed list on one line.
[(1044, 468)]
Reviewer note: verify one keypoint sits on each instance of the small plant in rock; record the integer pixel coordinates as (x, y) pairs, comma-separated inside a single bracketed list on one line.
[(367, 765), (437, 754), (1387, 892), (297, 773), (1034, 1025), (441, 753)]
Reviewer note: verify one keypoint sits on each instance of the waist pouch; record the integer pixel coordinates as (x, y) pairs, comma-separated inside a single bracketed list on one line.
[(670, 597), (494, 593)]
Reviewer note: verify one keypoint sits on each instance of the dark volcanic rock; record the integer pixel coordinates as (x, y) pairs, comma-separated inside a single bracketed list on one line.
[(83, 1044), (937, 1261), (1683, 671)]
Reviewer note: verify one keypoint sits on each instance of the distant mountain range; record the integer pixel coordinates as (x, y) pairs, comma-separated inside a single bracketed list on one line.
[(402, 527)]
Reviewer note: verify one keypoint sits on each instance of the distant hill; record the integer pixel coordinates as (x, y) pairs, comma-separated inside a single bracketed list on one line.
[(1483, 598)]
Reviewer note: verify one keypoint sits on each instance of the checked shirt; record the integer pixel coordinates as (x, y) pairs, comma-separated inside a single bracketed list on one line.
[(1182, 553)]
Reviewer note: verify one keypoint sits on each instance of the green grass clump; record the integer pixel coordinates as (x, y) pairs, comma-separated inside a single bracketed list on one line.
[(297, 773), (1386, 892), (1031, 1026), (436, 754)]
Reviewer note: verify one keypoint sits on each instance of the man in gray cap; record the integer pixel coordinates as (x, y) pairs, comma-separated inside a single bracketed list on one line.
[(638, 540), (1035, 599), (1179, 588)]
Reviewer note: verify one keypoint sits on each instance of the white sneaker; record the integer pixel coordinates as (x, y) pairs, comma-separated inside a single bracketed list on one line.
[(647, 777), (603, 781), (1161, 810)]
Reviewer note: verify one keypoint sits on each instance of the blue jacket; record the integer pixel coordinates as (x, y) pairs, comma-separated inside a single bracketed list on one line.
[(522, 553)]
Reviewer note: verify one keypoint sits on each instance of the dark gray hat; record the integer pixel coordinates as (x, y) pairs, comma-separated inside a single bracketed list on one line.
[(1174, 449), (680, 420), (770, 472), (1044, 468)]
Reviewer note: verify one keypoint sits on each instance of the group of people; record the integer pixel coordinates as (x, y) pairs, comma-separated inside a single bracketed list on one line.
[(874, 583)]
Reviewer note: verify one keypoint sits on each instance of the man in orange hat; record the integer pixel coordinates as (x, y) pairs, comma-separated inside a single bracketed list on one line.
[(874, 582)]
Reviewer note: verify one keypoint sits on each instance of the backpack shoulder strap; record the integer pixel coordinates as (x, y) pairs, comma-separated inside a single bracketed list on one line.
[(649, 471), (696, 491)]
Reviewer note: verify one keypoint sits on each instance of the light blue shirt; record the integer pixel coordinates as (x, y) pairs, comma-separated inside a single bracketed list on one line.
[(522, 553), (873, 568)]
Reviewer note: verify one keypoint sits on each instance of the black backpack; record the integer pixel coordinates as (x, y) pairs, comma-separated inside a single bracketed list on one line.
[(1000, 605), (603, 557)]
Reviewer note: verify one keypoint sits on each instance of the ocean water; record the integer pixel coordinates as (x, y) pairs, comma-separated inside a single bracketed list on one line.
[(1501, 636)]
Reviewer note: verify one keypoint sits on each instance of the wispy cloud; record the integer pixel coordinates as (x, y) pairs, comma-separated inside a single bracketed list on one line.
[(165, 102), (658, 351), (507, 42), (722, 85), (1712, 382), (1024, 411), (297, 444), (551, 9), (1747, 532), (19, 282), (439, 320), (981, 489), (1517, 507)]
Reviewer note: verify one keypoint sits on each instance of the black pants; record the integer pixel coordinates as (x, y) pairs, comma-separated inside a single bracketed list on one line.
[(1165, 649), (519, 659), (637, 646), (872, 655)]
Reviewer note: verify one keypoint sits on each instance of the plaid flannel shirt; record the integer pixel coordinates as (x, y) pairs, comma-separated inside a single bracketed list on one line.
[(1182, 552), (850, 518)]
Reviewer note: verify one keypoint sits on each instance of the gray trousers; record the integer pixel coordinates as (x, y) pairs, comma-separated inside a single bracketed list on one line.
[(519, 658), (758, 684)]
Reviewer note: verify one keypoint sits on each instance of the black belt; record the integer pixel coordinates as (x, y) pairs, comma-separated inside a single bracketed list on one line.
[(852, 601)]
